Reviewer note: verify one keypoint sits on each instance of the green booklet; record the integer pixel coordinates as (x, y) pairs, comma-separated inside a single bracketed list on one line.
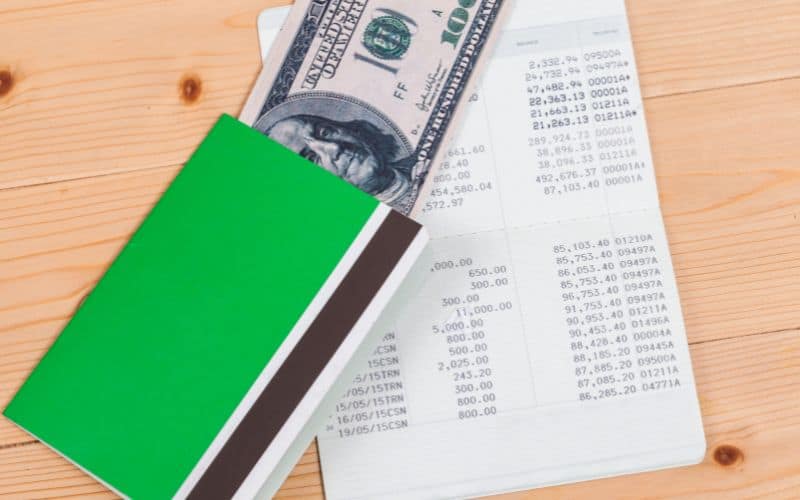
[(194, 366)]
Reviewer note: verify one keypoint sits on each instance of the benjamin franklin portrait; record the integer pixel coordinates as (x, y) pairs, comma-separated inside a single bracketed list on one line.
[(369, 156)]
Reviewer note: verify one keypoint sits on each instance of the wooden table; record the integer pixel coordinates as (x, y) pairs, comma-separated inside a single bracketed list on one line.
[(101, 102)]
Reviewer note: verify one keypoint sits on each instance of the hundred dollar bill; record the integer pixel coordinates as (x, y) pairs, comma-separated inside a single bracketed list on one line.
[(371, 89)]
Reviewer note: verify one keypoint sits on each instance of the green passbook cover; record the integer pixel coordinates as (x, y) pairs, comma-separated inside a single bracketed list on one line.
[(193, 365)]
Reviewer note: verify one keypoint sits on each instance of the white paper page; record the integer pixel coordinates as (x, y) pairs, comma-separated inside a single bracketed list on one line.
[(540, 339), (269, 24)]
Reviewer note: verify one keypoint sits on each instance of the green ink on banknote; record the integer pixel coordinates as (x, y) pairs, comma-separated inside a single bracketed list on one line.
[(387, 37)]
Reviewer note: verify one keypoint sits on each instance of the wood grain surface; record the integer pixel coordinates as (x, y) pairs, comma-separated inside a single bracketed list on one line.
[(101, 102)]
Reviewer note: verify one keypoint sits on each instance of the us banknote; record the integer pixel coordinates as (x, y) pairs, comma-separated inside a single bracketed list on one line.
[(371, 90)]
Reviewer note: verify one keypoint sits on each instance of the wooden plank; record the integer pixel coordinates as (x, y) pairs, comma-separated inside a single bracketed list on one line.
[(748, 396), (97, 84), (686, 46), (726, 162), (34, 471)]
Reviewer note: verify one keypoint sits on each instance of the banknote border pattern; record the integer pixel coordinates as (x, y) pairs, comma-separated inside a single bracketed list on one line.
[(294, 59)]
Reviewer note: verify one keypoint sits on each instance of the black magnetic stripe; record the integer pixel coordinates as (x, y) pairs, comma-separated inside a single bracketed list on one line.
[(294, 378)]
